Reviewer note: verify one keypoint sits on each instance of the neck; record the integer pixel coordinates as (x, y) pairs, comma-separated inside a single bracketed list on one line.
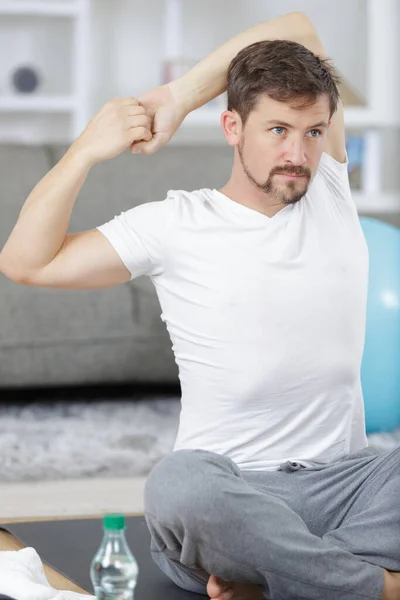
[(240, 189)]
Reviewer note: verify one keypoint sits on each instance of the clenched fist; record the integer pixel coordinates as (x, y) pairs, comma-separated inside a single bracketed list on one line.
[(166, 112), (119, 124)]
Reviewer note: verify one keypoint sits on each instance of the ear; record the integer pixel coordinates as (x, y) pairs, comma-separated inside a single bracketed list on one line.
[(231, 124)]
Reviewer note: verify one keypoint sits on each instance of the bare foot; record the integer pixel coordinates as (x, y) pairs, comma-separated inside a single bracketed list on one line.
[(391, 588), (219, 589)]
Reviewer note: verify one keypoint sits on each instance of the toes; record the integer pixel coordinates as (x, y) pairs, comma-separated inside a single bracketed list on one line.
[(228, 595), (217, 587)]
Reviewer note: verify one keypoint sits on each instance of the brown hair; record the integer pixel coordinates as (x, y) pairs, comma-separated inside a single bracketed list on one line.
[(283, 70)]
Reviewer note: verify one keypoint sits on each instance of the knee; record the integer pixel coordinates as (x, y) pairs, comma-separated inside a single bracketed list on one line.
[(184, 480)]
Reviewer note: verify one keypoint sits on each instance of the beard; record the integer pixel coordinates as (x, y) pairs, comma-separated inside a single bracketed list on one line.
[(291, 193)]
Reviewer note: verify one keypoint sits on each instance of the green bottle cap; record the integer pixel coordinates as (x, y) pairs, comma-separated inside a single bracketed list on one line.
[(114, 522)]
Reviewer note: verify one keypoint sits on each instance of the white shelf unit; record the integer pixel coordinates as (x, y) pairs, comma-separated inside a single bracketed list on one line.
[(41, 104), (381, 202), (17, 7), (74, 104)]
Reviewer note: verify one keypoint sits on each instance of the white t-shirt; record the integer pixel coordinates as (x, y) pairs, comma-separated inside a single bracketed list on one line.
[(266, 317)]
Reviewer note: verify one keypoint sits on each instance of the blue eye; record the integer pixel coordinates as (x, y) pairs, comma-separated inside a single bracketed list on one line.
[(315, 133), (281, 129)]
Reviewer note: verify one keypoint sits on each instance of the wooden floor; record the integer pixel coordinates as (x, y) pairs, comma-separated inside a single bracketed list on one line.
[(56, 580), (71, 497)]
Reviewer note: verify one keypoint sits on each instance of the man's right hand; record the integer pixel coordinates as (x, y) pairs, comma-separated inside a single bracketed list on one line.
[(119, 124)]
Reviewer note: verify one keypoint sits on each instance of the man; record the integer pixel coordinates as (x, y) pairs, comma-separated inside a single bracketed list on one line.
[(272, 490)]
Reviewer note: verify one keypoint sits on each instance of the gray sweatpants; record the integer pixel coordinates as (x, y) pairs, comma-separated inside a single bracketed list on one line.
[(299, 533)]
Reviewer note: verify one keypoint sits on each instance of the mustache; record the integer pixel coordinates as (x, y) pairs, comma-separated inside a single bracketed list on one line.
[(292, 171)]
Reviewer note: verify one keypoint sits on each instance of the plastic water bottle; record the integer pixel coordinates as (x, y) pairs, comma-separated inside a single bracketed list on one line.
[(114, 569)]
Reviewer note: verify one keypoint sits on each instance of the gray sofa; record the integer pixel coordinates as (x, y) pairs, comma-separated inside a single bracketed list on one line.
[(114, 335)]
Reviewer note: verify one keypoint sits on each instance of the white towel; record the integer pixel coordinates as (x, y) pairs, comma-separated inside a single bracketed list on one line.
[(22, 577)]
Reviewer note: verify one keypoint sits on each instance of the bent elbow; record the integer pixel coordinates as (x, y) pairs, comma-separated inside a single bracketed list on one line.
[(14, 275), (302, 21)]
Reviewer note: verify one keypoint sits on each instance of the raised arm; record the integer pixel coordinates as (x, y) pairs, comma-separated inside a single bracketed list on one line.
[(169, 104), (38, 251), (207, 79)]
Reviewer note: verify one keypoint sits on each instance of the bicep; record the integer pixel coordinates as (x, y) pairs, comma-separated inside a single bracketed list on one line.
[(86, 260)]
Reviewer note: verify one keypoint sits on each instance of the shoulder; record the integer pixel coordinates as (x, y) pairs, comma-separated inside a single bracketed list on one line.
[(183, 202), (330, 167), (328, 164), (333, 176), (165, 211)]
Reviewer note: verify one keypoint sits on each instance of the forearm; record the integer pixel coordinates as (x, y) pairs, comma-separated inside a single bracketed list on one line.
[(208, 78), (44, 219)]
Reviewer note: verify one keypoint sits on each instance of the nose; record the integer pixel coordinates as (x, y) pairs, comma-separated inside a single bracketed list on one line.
[(294, 152)]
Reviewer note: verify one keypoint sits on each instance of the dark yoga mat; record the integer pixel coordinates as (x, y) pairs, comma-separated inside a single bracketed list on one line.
[(69, 547)]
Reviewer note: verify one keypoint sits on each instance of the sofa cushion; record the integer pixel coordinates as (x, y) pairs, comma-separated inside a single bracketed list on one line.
[(114, 334)]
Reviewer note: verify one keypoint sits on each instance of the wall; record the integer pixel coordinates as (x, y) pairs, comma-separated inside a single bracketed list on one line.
[(128, 41)]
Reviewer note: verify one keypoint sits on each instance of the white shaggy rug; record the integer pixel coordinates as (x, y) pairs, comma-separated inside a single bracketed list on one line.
[(68, 439), (109, 438)]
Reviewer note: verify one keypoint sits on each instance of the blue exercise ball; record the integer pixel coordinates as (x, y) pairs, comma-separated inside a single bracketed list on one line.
[(380, 371)]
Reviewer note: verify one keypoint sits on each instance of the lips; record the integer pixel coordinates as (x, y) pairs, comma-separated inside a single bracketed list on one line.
[(290, 175)]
